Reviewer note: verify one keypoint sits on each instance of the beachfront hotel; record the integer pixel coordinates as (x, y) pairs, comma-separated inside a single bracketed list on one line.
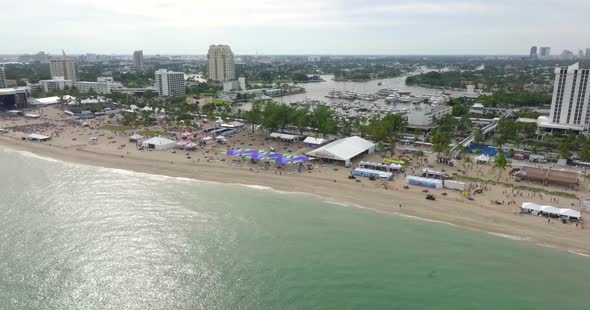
[(569, 105), (221, 66), (64, 68), (169, 83)]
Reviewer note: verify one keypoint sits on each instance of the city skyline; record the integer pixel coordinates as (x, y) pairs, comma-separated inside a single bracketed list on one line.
[(325, 27)]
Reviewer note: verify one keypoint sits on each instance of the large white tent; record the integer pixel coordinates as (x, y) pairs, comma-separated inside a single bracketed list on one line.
[(570, 213), (344, 149), (158, 143), (550, 210)]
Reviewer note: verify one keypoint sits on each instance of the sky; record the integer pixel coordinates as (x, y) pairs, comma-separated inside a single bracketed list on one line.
[(322, 27)]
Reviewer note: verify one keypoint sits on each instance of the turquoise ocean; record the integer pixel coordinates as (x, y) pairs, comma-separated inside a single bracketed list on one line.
[(81, 237)]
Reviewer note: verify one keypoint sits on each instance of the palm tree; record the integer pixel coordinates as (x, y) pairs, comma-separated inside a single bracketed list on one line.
[(467, 163), (500, 163)]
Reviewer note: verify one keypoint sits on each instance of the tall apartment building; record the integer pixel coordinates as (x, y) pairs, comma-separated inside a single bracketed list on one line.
[(569, 105), (64, 68), (533, 54), (138, 59), (2, 78), (170, 83), (221, 63), (588, 53), (544, 52)]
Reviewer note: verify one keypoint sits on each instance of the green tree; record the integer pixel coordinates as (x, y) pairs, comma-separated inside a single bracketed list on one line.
[(323, 119), (500, 163)]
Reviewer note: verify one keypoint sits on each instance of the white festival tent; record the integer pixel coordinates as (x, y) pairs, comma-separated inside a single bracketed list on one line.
[(158, 143), (551, 210), (529, 206), (344, 149), (483, 159), (314, 141), (570, 213), (135, 137)]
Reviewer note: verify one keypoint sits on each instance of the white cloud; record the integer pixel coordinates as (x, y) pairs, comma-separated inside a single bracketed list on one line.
[(421, 8)]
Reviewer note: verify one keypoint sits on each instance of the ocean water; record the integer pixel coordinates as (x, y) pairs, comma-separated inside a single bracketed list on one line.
[(80, 237)]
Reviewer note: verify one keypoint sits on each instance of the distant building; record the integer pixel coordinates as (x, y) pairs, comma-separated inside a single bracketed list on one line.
[(221, 65), (100, 87), (581, 54), (569, 105), (55, 85), (170, 83), (239, 85), (533, 55), (477, 108), (567, 54), (64, 68), (588, 53), (544, 52), (138, 59), (2, 78), (314, 58), (425, 117)]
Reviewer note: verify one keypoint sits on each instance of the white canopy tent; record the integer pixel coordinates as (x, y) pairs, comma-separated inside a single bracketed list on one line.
[(529, 206), (158, 143), (570, 213), (551, 210), (135, 137), (38, 137), (283, 136), (483, 159), (315, 141), (344, 149)]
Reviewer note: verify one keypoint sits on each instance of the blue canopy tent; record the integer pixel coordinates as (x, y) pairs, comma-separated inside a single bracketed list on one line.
[(259, 156), (284, 160), (300, 159), (237, 152)]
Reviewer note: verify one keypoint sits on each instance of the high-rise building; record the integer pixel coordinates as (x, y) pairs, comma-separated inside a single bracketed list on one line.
[(569, 105), (544, 52), (221, 63), (588, 53), (138, 59), (567, 54), (581, 54), (2, 78), (64, 68), (170, 83), (533, 54)]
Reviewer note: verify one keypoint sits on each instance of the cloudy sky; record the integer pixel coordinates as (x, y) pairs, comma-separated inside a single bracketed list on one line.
[(294, 26)]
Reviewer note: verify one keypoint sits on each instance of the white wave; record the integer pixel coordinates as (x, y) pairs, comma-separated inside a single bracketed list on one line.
[(511, 237), (258, 187), (579, 253), (29, 154), (336, 203), (547, 245)]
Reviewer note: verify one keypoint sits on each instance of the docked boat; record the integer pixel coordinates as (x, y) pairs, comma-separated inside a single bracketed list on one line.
[(384, 92)]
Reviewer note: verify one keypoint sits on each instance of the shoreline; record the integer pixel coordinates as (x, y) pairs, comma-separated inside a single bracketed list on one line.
[(458, 212)]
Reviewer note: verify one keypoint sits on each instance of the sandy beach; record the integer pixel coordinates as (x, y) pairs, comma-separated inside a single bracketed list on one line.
[(71, 142)]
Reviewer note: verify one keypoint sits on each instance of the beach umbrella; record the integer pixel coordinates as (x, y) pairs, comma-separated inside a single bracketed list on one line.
[(234, 152)]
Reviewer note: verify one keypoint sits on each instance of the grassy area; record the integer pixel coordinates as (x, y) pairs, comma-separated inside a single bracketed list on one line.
[(220, 102), (152, 133), (116, 128), (518, 187)]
